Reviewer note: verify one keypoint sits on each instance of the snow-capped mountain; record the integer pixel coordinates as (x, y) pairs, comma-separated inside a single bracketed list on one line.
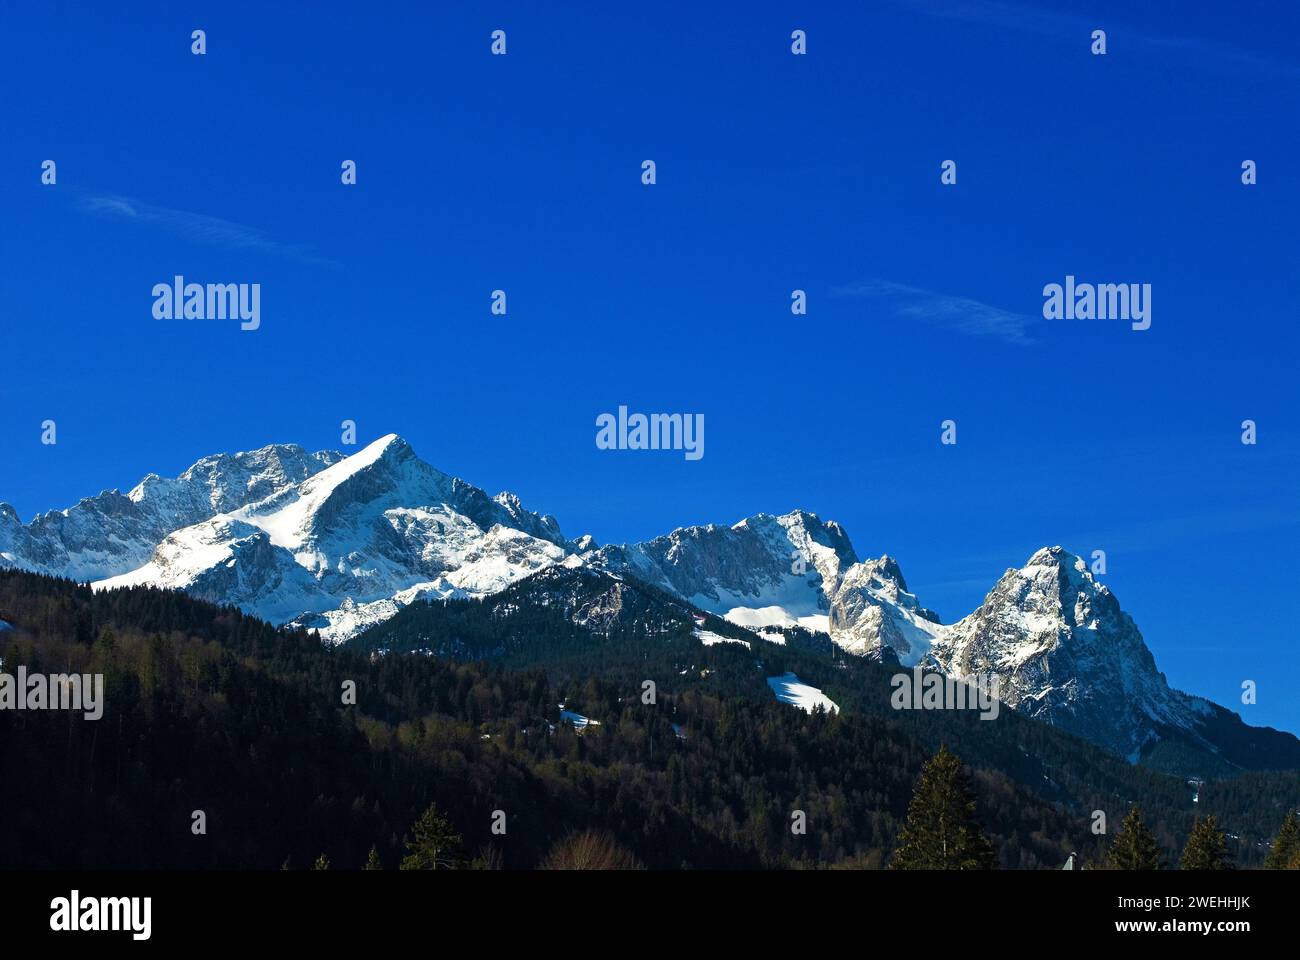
[(1062, 649), (113, 532), (873, 612), (763, 571), (321, 540), (1065, 652), (340, 544), (791, 570)]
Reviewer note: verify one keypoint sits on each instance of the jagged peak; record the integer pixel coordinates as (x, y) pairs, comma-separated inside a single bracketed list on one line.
[(755, 522), (270, 450), (795, 517), (389, 444), (806, 517), (693, 530), (1053, 556), (388, 449), (1069, 568), (887, 566)]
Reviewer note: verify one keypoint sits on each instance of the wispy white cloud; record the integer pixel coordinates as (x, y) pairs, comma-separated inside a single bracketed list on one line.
[(944, 310), (197, 227), (1211, 53)]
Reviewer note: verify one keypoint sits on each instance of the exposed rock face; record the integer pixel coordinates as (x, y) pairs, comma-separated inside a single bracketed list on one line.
[(113, 533), (763, 570), (1065, 652), (340, 544), (872, 613), (318, 539), (1057, 641)]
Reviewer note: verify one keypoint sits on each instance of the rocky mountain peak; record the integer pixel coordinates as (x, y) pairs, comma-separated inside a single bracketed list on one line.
[(342, 543), (872, 613), (886, 570), (345, 545), (1065, 651)]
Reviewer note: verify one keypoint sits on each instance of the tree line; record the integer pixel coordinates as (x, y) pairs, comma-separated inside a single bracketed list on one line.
[(942, 832), (209, 710)]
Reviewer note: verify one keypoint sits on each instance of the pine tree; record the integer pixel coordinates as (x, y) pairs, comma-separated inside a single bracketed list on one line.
[(322, 863), (1134, 847), (372, 861), (941, 832), (435, 844), (1207, 848), (1286, 845)]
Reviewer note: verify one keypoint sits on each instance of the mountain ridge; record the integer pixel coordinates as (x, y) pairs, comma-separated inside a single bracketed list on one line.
[(340, 543)]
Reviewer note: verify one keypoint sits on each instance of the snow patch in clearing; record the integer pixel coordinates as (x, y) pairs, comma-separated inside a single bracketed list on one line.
[(788, 688), (755, 618), (709, 638)]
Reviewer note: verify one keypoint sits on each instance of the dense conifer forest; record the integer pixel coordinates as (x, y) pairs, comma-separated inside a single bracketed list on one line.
[(457, 708)]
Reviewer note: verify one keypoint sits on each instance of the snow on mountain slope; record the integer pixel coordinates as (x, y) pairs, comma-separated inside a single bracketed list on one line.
[(340, 544), (785, 571), (788, 688), (1056, 639), (225, 482), (351, 544), (764, 570), (114, 533), (227, 561), (872, 612), (1065, 652), (709, 638), (288, 516)]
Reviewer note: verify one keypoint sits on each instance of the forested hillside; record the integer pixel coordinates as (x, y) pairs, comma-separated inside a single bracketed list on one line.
[(208, 709)]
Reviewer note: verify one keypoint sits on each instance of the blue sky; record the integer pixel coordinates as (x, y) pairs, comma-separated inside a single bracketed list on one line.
[(775, 172)]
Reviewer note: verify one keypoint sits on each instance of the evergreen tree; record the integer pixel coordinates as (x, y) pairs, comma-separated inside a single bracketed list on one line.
[(322, 863), (941, 832), (372, 861), (226, 684), (1286, 845), (1207, 848), (1135, 847), (435, 844)]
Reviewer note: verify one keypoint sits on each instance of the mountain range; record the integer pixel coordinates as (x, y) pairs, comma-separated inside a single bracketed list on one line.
[(341, 544)]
